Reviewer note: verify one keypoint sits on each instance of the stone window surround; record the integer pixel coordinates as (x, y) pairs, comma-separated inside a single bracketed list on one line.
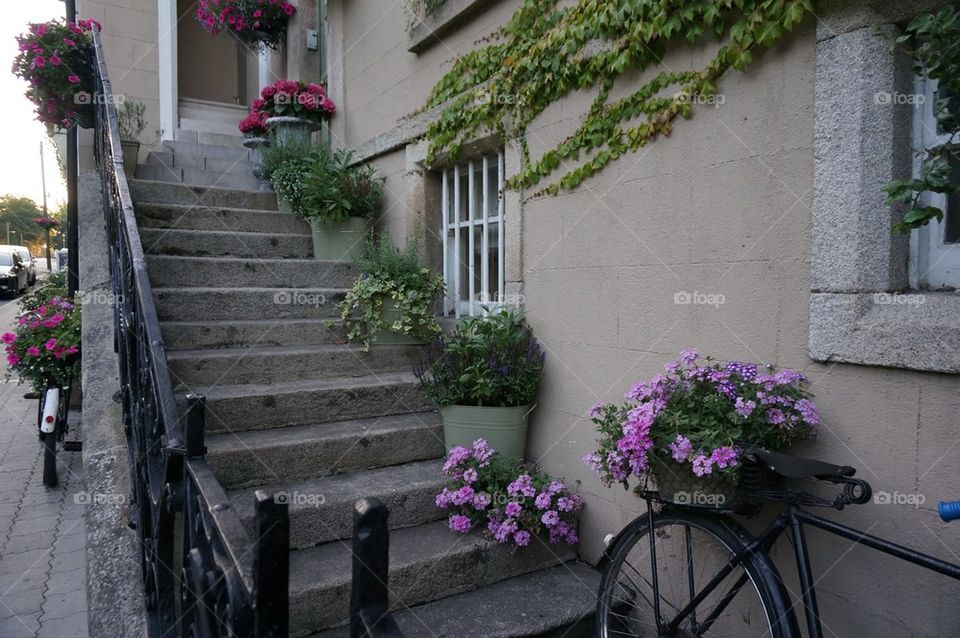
[(448, 17), (859, 268)]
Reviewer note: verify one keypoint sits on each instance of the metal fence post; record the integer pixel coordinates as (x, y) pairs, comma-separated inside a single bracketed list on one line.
[(370, 597)]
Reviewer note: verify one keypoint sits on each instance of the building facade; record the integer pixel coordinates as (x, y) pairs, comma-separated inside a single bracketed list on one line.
[(756, 231)]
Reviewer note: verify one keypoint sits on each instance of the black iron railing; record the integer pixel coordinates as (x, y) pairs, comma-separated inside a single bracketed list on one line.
[(202, 574)]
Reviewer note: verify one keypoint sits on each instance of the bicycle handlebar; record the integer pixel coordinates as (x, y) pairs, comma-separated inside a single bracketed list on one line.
[(949, 510)]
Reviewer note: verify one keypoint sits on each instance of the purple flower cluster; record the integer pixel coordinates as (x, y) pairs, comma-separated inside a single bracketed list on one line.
[(532, 504), (700, 413)]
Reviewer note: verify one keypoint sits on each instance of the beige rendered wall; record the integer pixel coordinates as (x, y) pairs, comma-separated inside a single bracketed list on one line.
[(721, 207), (130, 44)]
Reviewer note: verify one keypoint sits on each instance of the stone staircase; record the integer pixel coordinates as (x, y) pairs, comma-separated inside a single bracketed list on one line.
[(248, 320)]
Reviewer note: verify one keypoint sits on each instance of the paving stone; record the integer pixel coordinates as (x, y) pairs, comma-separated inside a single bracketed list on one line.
[(36, 540), (39, 510), (20, 601), (47, 523), (19, 580), (24, 626), (62, 582), (68, 561), (65, 605), (23, 562), (72, 627)]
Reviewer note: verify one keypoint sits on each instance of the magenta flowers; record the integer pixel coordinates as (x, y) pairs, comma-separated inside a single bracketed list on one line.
[(531, 505), (700, 415), (256, 22), (44, 348)]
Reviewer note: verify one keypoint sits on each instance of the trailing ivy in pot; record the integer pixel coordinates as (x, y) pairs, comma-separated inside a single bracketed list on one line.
[(339, 199), (285, 167), (392, 301), (686, 430), (56, 59), (485, 377)]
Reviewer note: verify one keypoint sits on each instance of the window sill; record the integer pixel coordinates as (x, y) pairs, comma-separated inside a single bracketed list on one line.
[(452, 14), (916, 331)]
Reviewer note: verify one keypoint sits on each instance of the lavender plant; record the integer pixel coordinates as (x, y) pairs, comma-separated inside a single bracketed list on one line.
[(487, 361), (700, 416)]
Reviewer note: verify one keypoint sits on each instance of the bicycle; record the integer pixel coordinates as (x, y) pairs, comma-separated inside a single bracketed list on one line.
[(52, 427), (701, 573)]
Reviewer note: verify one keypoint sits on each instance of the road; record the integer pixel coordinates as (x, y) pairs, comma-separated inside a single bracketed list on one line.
[(42, 536)]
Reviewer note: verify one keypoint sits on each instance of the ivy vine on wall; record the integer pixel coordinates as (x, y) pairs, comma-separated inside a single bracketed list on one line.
[(546, 52)]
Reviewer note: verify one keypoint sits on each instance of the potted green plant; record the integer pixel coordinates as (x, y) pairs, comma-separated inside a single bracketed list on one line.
[(393, 299), (485, 377), (686, 430), (130, 120), (285, 167), (338, 200)]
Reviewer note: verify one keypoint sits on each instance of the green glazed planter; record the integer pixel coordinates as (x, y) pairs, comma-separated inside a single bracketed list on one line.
[(340, 241), (505, 429), (283, 205)]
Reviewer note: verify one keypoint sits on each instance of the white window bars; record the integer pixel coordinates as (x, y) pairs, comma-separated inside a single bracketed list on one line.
[(472, 234)]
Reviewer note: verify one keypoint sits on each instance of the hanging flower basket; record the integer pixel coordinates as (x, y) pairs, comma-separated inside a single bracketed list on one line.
[(46, 222), (256, 23), (56, 59)]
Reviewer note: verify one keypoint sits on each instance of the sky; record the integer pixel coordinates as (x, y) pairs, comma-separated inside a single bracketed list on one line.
[(21, 133)]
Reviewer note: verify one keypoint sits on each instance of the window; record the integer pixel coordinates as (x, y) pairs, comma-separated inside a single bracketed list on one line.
[(473, 236), (935, 248)]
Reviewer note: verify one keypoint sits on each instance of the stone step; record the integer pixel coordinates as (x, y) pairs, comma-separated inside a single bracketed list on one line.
[(244, 272), (209, 151), (222, 304), (321, 510), (240, 165), (557, 602), (213, 243), (235, 408), (145, 191), (302, 452), (227, 126), (195, 335), (209, 139), (210, 111), (427, 562), (270, 364), (197, 177), (224, 219)]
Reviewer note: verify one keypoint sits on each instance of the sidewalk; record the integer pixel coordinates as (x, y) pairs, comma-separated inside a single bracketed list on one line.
[(42, 536)]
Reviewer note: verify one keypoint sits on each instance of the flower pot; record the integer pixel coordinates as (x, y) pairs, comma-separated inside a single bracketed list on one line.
[(338, 241), (676, 483), (256, 146), (505, 429), (284, 205), (387, 337), (290, 129), (131, 151)]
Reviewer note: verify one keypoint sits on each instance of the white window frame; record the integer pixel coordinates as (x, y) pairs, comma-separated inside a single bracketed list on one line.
[(481, 301), (933, 264)]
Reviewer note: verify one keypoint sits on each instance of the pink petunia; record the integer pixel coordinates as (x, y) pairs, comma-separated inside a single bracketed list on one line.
[(73, 79), (33, 351), (51, 343), (12, 360), (8, 337), (55, 60)]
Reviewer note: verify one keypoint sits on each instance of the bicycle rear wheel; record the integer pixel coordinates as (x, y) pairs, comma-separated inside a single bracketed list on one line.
[(690, 550)]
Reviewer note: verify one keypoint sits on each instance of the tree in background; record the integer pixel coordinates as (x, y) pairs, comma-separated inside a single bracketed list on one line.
[(17, 215)]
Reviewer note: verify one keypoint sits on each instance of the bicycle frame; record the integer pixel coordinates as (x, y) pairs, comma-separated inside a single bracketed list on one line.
[(791, 521)]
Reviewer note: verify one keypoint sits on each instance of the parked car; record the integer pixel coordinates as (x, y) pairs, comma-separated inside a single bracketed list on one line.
[(28, 261), (13, 272)]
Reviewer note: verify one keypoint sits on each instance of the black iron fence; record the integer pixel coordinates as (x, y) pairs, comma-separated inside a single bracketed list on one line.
[(202, 574)]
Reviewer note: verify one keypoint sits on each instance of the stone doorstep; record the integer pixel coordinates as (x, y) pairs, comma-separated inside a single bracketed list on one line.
[(221, 243)]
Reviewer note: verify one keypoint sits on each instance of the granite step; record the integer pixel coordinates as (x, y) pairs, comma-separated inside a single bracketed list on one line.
[(229, 333), (161, 192), (191, 217), (216, 304), (245, 272), (321, 510), (297, 453)]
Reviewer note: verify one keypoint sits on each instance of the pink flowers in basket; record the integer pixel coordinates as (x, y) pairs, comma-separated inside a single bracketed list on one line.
[(256, 22), (515, 504)]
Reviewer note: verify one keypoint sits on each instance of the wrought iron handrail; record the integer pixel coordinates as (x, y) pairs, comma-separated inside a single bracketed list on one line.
[(225, 583)]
